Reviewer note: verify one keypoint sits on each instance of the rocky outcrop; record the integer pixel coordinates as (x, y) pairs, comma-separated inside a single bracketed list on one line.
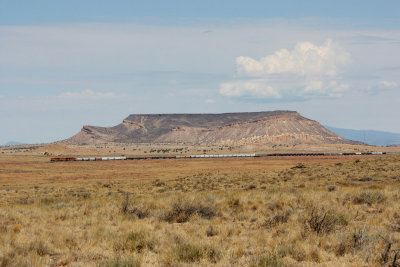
[(273, 127)]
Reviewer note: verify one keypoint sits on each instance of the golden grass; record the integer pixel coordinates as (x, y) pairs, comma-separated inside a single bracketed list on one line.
[(310, 211)]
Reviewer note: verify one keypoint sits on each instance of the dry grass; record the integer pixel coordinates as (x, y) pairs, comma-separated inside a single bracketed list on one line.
[(333, 211)]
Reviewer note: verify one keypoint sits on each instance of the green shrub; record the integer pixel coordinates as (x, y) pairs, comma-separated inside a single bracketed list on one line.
[(278, 218), (181, 212), (137, 209), (188, 252), (321, 220), (211, 254), (369, 197), (40, 247), (134, 241), (193, 253), (354, 240), (121, 262)]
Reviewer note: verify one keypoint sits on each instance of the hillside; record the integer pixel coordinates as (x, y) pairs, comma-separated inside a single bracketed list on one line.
[(269, 127)]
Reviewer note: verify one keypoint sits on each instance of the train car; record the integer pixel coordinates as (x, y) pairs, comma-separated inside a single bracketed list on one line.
[(216, 156), (169, 157), (62, 159)]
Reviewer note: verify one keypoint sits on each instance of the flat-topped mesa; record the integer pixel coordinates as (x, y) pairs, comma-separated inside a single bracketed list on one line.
[(206, 119), (267, 127)]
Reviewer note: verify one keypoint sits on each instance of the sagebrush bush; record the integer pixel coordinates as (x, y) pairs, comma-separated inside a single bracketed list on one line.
[(121, 262), (189, 253), (331, 188), (369, 198), (352, 241), (134, 242), (278, 218), (40, 247), (211, 231), (321, 220), (181, 211), (138, 209), (193, 253)]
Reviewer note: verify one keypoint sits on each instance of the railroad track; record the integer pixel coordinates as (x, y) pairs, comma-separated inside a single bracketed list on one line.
[(62, 159)]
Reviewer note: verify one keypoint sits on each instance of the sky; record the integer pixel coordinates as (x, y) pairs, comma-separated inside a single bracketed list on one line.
[(65, 64)]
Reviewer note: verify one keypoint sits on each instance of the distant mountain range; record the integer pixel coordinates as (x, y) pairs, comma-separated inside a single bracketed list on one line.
[(370, 137), (13, 143)]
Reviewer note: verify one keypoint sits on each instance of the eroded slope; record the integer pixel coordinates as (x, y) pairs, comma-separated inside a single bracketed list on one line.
[(273, 127)]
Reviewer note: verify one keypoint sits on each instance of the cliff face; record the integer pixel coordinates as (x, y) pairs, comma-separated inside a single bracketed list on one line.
[(271, 127)]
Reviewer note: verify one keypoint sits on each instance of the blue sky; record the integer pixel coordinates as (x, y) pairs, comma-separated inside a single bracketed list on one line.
[(64, 64), (21, 12)]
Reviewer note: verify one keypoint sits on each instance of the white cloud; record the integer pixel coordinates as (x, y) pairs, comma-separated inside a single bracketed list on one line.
[(87, 94), (304, 72), (253, 88), (313, 86), (1, 96), (330, 88), (305, 59), (382, 86), (210, 101), (291, 90), (389, 84)]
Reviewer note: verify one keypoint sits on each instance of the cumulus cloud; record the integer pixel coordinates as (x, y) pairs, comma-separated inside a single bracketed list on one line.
[(306, 71), (382, 86), (323, 87), (305, 59), (389, 84), (252, 88), (88, 94)]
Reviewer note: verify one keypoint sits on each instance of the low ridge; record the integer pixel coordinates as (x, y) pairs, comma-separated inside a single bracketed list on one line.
[(267, 127)]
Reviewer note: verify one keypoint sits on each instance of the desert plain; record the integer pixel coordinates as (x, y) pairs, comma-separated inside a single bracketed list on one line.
[(267, 211)]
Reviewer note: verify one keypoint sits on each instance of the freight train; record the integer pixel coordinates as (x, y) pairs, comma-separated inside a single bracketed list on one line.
[(216, 156)]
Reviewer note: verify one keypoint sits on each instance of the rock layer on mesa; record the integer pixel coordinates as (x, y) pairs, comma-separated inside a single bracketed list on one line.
[(267, 127)]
